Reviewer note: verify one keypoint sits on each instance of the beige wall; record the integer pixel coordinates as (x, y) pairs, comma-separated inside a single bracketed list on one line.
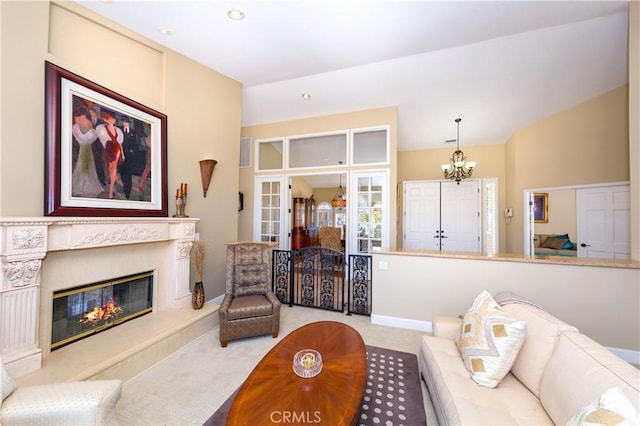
[(562, 215), (594, 299), (593, 135), (203, 109), (337, 122), (634, 124), (586, 144), (425, 165)]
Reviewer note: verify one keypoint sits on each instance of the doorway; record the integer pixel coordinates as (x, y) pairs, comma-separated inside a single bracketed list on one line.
[(595, 217), (442, 215)]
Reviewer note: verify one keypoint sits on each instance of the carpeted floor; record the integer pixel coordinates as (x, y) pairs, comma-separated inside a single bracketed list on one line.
[(189, 385), (392, 395)]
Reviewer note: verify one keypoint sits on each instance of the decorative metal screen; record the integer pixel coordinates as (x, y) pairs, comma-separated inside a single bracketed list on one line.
[(82, 311), (315, 277)]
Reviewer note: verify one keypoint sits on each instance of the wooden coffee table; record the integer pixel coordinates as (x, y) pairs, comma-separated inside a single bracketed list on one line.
[(274, 394)]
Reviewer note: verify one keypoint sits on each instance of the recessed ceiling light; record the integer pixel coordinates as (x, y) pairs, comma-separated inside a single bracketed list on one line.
[(235, 14), (306, 96), (164, 31)]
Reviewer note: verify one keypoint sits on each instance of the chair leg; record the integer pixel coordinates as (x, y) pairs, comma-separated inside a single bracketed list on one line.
[(274, 334), (223, 343)]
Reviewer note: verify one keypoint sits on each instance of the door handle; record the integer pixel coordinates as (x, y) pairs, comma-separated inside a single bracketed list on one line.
[(585, 245)]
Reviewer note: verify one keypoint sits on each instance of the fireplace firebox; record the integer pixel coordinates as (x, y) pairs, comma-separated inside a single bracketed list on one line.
[(82, 311)]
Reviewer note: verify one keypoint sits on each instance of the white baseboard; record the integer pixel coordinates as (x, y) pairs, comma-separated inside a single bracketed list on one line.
[(410, 324), (216, 300), (630, 356)]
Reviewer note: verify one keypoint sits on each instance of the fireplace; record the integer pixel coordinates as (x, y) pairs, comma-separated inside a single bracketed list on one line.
[(82, 311)]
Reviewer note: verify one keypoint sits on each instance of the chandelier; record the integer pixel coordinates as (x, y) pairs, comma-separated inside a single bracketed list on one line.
[(339, 200), (458, 168)]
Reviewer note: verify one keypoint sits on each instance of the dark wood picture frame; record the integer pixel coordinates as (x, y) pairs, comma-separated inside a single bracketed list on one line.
[(71, 99), (541, 207)]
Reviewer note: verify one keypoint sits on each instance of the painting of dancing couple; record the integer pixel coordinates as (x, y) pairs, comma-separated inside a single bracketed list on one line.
[(111, 153), (105, 153)]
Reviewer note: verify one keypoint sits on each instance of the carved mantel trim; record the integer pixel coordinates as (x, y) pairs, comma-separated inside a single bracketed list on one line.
[(25, 242)]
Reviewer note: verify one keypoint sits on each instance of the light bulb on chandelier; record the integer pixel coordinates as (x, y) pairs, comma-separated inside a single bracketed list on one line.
[(458, 168), (339, 200)]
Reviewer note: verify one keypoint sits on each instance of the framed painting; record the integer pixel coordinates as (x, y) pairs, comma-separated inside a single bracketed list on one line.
[(105, 154), (541, 207)]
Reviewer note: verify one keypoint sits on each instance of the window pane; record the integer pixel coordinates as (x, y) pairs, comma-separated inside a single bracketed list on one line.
[(270, 155), (314, 151), (370, 147)]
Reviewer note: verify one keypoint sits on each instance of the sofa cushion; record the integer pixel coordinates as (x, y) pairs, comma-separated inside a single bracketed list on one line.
[(251, 279), (490, 339), (543, 330), (612, 408), (251, 306), (7, 384), (554, 243), (458, 400), (579, 371)]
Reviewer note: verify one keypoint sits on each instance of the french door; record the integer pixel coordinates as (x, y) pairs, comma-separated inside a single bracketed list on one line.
[(604, 226), (442, 216), (270, 218)]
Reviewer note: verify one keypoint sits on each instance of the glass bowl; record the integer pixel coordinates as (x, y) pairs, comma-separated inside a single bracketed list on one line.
[(307, 363)]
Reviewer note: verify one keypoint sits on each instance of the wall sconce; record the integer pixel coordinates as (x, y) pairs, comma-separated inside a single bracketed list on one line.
[(206, 171)]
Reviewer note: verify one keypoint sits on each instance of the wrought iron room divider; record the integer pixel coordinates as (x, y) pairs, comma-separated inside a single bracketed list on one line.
[(315, 277)]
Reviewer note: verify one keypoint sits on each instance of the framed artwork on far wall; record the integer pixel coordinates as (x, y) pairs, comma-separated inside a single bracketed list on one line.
[(541, 207), (105, 154)]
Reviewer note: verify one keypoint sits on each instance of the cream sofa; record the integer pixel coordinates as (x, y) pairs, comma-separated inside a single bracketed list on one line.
[(557, 372), (90, 402)]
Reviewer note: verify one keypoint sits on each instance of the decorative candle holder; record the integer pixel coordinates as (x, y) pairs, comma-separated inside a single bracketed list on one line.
[(307, 363), (181, 201)]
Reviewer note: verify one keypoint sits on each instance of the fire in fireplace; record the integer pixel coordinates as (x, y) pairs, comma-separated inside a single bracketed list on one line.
[(82, 311)]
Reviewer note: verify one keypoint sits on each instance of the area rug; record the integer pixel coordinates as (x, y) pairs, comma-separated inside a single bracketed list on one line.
[(392, 395)]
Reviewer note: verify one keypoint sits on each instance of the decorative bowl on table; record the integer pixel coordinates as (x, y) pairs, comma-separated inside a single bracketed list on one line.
[(307, 363)]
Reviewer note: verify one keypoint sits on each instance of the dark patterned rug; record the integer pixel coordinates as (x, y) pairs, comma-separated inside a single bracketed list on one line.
[(392, 395)]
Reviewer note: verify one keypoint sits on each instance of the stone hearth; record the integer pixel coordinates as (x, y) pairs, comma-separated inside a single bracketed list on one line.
[(41, 255)]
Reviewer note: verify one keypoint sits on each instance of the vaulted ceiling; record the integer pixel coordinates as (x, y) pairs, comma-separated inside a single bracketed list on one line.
[(499, 65)]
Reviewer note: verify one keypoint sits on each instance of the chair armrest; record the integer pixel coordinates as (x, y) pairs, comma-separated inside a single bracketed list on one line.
[(273, 298), (446, 327), (223, 310), (90, 402)]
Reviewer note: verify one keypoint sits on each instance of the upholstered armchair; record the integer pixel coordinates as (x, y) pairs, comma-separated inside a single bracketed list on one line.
[(249, 307), (329, 237), (90, 402)]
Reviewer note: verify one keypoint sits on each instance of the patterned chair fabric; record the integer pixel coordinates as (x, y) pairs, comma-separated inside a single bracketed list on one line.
[(249, 307), (330, 238), (90, 402)]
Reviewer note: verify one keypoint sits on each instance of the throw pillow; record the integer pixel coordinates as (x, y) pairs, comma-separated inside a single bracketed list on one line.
[(554, 243), (612, 408), (489, 341), (251, 279), (7, 384)]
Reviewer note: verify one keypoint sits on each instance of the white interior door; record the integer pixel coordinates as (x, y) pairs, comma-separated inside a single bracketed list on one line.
[(270, 220), (603, 222), (421, 215), (460, 220), (442, 216)]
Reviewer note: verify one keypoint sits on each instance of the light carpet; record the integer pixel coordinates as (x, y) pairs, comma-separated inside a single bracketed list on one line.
[(189, 385), (392, 394)]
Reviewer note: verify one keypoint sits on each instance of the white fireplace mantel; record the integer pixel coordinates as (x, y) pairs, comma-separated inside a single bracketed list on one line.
[(25, 244)]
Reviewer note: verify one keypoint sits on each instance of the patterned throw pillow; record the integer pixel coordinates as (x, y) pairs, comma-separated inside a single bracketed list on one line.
[(7, 384), (612, 408), (554, 243), (489, 341), (251, 279)]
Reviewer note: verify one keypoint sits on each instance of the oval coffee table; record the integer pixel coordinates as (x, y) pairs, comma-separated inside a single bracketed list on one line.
[(273, 393)]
